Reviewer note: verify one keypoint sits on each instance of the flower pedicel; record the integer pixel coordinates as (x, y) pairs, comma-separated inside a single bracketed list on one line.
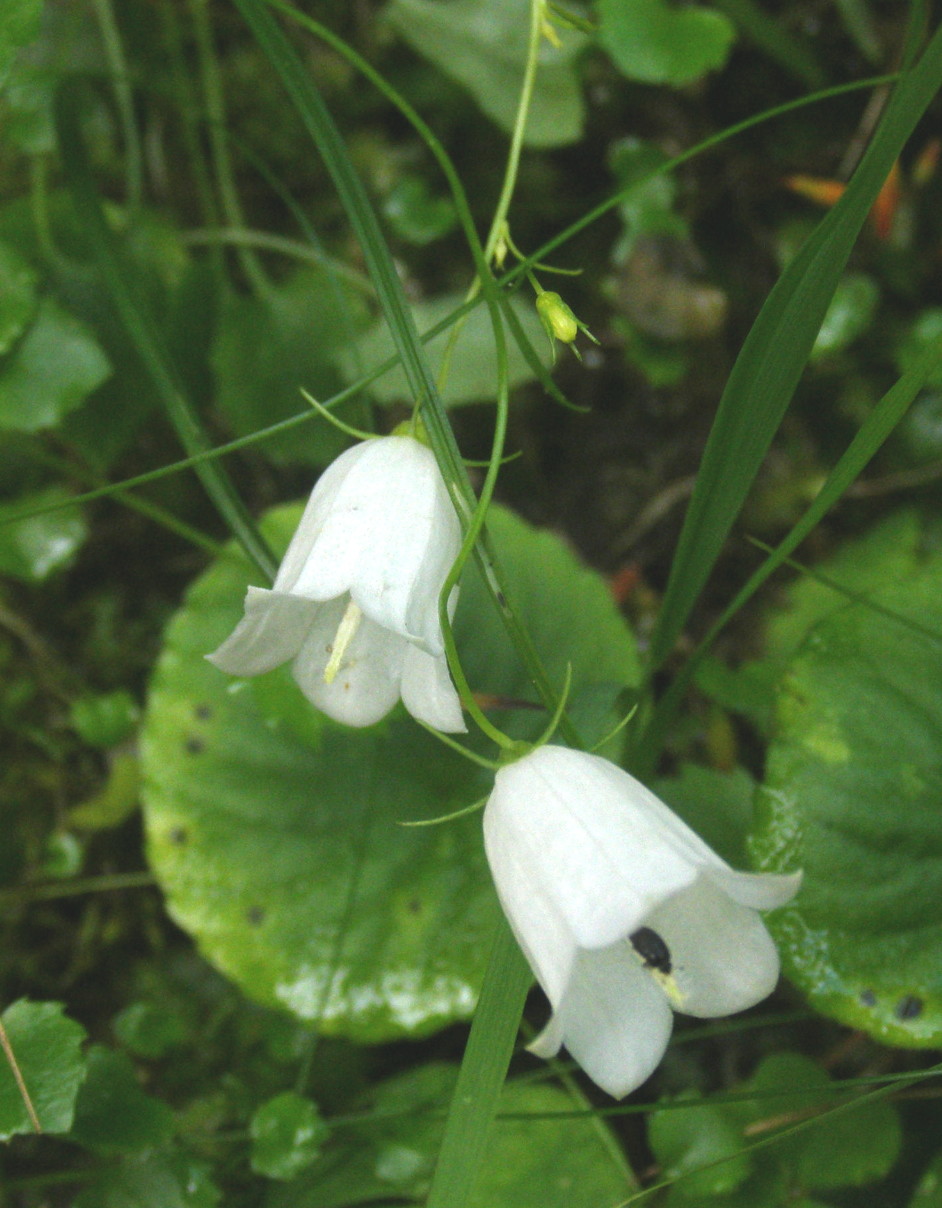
[(623, 912)]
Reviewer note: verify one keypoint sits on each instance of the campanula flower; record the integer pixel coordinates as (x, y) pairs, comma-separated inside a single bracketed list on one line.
[(624, 914), (354, 605)]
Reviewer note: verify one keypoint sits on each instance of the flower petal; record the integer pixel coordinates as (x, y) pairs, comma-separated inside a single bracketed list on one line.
[(271, 631), (723, 958), (613, 1019), (429, 694), (384, 530), (760, 890), (539, 927), (326, 490), (366, 685), (602, 847)]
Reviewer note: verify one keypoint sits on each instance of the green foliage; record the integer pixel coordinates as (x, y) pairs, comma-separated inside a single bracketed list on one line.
[(106, 719), (657, 42), (850, 796), (46, 1045), (918, 336), (483, 45), (850, 314), (315, 898), (287, 1136), (150, 1031), (415, 214), (151, 1181), (32, 547), (717, 804), (113, 1115), (472, 376), (151, 267), (55, 366), (267, 348), (532, 1162), (708, 1146), (18, 25), (18, 299)]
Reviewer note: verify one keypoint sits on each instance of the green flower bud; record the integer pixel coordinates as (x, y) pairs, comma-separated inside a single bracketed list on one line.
[(557, 319)]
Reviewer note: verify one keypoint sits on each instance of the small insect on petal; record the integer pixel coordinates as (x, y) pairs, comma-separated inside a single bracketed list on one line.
[(654, 953)]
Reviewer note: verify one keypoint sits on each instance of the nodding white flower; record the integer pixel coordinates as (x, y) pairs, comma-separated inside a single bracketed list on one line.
[(624, 914), (355, 602)]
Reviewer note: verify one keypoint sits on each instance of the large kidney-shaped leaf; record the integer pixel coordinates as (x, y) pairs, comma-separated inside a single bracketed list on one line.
[(852, 793), (483, 45), (275, 832)]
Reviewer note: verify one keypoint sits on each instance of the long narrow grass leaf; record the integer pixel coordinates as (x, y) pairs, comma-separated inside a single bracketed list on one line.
[(869, 438), (482, 1073), (775, 353)]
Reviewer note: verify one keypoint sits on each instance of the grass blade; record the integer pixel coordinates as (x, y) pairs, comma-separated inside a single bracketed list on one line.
[(775, 352)]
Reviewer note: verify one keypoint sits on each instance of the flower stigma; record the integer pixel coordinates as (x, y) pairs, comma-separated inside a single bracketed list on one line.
[(346, 630)]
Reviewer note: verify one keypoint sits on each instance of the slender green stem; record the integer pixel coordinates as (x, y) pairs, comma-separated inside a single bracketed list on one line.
[(219, 146), (117, 64), (75, 888), (499, 219), (502, 208), (286, 247)]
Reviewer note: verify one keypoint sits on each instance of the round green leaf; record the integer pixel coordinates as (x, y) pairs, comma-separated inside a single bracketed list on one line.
[(287, 1135), (46, 1045), (416, 214), (657, 42), (54, 368), (32, 547), (701, 1145), (275, 832), (852, 796)]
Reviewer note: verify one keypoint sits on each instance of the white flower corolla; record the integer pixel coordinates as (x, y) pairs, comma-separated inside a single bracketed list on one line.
[(622, 911), (355, 602)]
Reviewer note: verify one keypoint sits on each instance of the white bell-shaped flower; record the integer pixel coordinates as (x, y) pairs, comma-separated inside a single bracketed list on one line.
[(623, 912), (355, 602)]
